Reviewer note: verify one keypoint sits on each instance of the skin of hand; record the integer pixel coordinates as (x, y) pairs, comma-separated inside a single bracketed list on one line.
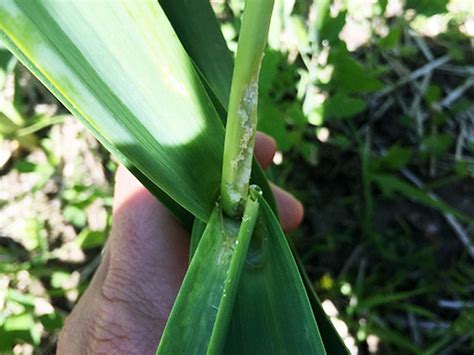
[(127, 303)]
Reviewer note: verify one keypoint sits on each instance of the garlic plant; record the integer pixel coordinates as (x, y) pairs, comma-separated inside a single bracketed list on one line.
[(152, 81)]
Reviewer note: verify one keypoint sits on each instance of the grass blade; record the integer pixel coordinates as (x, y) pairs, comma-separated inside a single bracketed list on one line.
[(272, 313), (202, 311), (331, 339), (198, 30), (147, 105)]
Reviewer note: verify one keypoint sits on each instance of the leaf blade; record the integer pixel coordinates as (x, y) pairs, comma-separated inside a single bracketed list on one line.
[(179, 13), (198, 30), (202, 311), (272, 312), (55, 41)]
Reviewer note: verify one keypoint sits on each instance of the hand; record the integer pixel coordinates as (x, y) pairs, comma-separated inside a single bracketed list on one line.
[(125, 308)]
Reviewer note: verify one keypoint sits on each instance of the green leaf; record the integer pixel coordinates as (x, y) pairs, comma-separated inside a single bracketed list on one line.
[(40, 123), (59, 279), (397, 157), (269, 317), (298, 33), (202, 310), (52, 322), (343, 106), (383, 6), (331, 339), (196, 234), (147, 105), (392, 39), (22, 326), (437, 144), (198, 30), (332, 27), (433, 94), (393, 336), (322, 14), (272, 122), (75, 215), (19, 322), (383, 299), (427, 7), (269, 71), (390, 184), (272, 312), (349, 76), (89, 239), (7, 64), (22, 298), (25, 166)]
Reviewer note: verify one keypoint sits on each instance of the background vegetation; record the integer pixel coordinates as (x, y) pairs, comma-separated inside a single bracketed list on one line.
[(371, 103)]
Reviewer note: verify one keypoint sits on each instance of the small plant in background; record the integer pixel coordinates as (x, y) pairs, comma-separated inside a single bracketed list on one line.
[(371, 107)]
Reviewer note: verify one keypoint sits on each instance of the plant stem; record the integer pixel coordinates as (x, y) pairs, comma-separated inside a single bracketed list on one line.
[(246, 231), (242, 111)]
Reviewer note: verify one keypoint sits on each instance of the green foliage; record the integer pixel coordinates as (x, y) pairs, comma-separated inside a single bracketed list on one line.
[(349, 76), (427, 7), (323, 101), (341, 106), (396, 158)]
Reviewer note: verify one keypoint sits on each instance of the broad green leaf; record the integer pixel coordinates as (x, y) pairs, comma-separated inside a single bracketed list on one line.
[(332, 27), (349, 76), (196, 234), (331, 339), (272, 121), (22, 326), (343, 106), (397, 157), (392, 39), (200, 317), (272, 312), (269, 317), (437, 144), (198, 30), (428, 7), (117, 66)]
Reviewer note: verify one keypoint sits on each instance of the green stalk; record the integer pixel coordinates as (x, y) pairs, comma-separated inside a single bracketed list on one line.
[(249, 219), (242, 112), (200, 318)]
